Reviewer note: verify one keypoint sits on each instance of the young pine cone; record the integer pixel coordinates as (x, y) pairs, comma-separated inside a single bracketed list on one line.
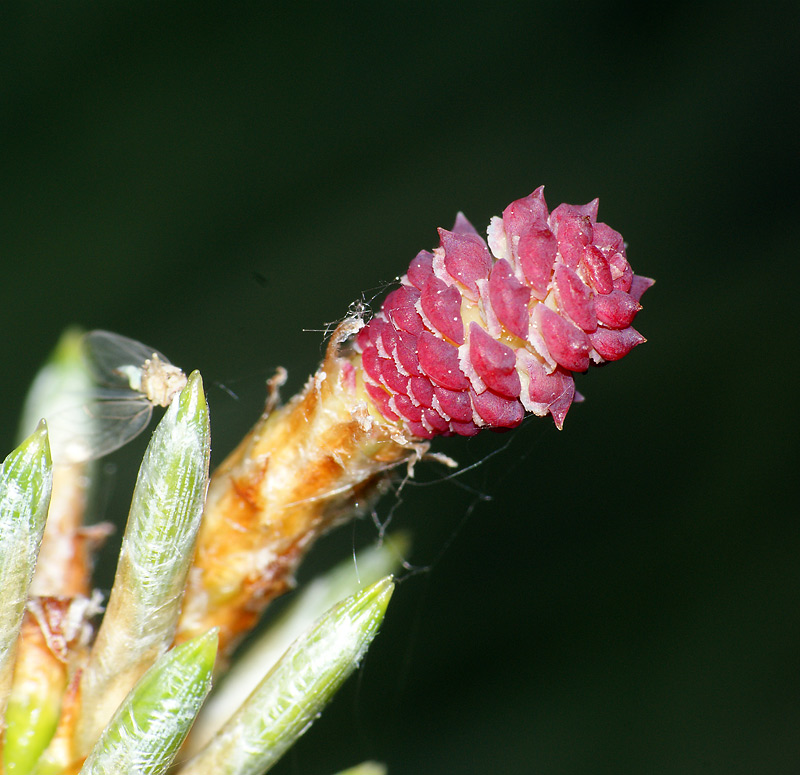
[(474, 339)]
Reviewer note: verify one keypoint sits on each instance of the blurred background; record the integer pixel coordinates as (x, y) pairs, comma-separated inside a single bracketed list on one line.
[(221, 180)]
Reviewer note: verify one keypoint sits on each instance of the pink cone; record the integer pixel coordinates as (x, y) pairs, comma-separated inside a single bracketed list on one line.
[(479, 334)]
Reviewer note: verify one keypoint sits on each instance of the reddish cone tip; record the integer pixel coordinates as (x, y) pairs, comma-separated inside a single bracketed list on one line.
[(475, 339)]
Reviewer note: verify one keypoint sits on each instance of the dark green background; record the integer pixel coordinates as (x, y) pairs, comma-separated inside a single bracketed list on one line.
[(220, 180)]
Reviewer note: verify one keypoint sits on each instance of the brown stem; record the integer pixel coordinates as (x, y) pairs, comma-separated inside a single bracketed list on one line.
[(302, 469)]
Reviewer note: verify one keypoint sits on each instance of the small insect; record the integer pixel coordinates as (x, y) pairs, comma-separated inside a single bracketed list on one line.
[(129, 379)]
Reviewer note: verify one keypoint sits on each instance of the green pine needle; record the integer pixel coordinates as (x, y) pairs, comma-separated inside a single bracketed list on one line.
[(149, 727), (26, 480), (287, 701), (156, 553)]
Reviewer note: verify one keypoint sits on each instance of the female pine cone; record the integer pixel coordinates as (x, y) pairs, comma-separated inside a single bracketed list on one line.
[(473, 339)]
